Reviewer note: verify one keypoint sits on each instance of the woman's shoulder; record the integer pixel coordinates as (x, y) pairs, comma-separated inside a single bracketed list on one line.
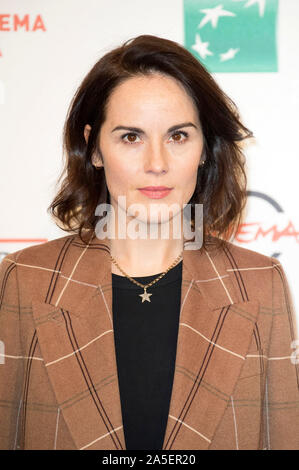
[(41, 251), (249, 256), (241, 256)]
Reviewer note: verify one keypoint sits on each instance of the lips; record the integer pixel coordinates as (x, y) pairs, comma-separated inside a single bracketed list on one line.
[(155, 192), (155, 188)]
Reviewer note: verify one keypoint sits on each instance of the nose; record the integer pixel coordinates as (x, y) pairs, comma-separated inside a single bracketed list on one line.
[(155, 158)]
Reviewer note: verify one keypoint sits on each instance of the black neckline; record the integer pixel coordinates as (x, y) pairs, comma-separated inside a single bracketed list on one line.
[(172, 275)]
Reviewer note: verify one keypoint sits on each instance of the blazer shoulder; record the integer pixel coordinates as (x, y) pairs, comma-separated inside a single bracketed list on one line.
[(245, 257), (37, 254)]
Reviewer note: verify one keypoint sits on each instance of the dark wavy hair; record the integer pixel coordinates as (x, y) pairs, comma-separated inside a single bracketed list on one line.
[(221, 182)]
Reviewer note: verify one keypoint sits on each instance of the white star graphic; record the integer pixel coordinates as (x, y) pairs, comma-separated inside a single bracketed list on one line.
[(145, 296), (201, 47), (230, 54), (261, 4), (213, 14)]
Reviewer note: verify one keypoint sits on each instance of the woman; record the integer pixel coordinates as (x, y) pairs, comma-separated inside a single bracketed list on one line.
[(123, 342)]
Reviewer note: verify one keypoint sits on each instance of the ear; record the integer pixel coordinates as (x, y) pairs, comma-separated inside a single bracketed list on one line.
[(94, 159), (87, 130)]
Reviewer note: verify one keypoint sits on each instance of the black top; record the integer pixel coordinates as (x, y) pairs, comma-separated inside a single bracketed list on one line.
[(145, 340)]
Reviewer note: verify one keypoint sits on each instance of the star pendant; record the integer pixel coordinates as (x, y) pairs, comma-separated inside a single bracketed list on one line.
[(145, 296)]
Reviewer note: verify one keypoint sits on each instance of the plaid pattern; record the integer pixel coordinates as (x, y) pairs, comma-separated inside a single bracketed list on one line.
[(236, 378)]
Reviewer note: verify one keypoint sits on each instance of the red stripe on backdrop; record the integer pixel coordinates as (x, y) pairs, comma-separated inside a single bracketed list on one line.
[(23, 240)]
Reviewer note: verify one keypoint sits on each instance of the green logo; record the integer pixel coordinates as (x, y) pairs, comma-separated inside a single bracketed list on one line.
[(232, 35)]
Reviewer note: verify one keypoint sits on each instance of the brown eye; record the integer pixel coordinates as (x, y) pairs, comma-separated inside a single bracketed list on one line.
[(130, 138), (179, 137)]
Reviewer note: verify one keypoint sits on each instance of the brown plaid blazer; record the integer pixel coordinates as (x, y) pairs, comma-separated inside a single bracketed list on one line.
[(236, 378)]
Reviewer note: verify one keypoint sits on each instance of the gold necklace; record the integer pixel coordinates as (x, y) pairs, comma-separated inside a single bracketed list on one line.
[(146, 295)]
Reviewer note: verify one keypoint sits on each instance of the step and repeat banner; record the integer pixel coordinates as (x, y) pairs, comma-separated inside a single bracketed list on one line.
[(251, 48)]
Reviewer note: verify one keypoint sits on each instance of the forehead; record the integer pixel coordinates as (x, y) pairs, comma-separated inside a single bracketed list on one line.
[(149, 92)]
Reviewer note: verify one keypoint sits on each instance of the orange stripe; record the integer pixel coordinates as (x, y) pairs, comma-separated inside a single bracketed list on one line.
[(23, 240)]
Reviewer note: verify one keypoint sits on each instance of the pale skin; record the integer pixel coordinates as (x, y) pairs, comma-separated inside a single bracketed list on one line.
[(153, 156)]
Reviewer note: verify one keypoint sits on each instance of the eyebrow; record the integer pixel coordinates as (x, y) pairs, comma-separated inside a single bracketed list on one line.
[(140, 131)]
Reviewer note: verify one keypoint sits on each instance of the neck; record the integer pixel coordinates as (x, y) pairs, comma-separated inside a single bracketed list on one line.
[(145, 256)]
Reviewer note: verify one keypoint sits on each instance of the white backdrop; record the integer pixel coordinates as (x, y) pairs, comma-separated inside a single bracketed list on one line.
[(43, 62)]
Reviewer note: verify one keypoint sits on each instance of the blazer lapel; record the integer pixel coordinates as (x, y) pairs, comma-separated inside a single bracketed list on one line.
[(75, 333), (214, 335)]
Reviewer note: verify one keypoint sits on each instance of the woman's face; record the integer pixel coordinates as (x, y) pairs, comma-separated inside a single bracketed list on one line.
[(151, 137)]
